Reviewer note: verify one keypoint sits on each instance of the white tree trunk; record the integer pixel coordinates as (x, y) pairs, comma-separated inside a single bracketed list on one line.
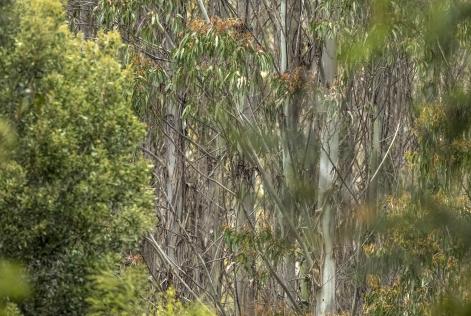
[(328, 160)]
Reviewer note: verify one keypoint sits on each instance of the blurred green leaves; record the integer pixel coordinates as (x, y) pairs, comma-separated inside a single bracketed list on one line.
[(13, 283), (14, 287), (119, 292), (7, 141), (426, 30)]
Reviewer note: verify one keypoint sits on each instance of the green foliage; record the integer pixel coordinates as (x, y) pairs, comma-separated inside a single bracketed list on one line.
[(218, 55), (75, 190), (443, 130), (128, 292), (419, 258), (171, 306), (414, 260), (8, 22), (428, 32), (152, 14), (119, 293), (7, 141), (14, 287), (13, 283), (246, 244)]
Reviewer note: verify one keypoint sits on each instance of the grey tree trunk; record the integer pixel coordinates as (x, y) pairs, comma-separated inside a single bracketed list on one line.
[(175, 177), (245, 181)]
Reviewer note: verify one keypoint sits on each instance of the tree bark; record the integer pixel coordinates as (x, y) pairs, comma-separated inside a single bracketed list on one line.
[(327, 165)]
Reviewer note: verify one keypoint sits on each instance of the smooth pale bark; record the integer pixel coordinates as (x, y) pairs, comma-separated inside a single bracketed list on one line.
[(327, 163), (203, 10), (283, 44)]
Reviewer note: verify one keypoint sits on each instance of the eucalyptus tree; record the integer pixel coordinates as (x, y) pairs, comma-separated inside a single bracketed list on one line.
[(204, 62), (278, 130)]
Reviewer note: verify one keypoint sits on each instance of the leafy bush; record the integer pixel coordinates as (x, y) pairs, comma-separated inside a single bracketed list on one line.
[(119, 293), (75, 190), (170, 306)]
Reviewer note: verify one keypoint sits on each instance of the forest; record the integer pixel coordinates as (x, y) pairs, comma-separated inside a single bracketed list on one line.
[(235, 157)]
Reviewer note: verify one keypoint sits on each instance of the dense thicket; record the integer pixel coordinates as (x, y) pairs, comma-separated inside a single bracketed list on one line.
[(74, 192)]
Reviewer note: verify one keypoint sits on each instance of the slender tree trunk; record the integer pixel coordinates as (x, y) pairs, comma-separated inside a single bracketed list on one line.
[(245, 282), (288, 271), (245, 178), (328, 160), (174, 185), (211, 215), (375, 155)]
